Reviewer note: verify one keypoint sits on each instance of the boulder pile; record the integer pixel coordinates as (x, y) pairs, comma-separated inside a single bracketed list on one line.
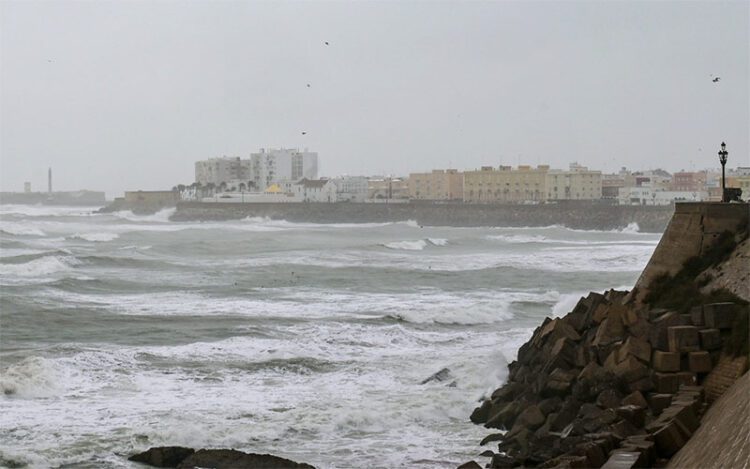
[(607, 385)]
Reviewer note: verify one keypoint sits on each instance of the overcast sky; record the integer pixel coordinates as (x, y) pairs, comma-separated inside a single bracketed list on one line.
[(128, 95)]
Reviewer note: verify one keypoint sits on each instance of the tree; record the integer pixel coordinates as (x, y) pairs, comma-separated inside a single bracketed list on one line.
[(242, 187)]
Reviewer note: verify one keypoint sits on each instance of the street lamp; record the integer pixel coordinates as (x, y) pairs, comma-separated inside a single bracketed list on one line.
[(723, 160)]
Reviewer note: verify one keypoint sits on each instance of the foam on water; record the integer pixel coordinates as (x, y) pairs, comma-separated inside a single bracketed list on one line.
[(33, 377), (38, 267), (17, 229), (95, 237), (323, 367), (417, 245)]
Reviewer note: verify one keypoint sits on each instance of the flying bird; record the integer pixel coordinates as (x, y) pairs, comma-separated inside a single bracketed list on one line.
[(327, 43), (308, 85), (304, 133), (716, 80)]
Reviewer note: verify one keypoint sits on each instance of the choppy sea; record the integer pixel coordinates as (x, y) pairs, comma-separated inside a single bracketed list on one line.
[(122, 332)]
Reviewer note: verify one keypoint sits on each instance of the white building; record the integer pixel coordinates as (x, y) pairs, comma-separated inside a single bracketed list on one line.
[(350, 188), (276, 165), (317, 190), (646, 195), (261, 170)]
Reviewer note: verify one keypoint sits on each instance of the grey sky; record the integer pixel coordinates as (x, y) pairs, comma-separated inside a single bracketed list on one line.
[(127, 95)]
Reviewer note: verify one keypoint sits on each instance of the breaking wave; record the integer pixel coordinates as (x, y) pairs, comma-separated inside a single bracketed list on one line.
[(30, 378), (95, 237)]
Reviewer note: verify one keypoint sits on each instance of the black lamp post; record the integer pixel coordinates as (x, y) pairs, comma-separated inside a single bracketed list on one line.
[(723, 160)]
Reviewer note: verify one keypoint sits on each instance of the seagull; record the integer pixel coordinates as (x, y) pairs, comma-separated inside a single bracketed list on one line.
[(716, 80), (308, 85), (327, 43), (304, 133)]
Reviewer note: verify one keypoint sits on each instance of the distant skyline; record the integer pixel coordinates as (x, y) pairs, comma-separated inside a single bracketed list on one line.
[(121, 96)]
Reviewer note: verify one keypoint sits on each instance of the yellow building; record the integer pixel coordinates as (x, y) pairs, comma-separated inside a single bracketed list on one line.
[(578, 183), (437, 185), (505, 185), (387, 188)]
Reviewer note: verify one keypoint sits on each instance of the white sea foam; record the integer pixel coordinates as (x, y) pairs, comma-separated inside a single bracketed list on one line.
[(437, 241), (162, 216), (416, 245), (17, 229), (30, 378), (37, 267), (95, 237), (566, 303), (631, 228)]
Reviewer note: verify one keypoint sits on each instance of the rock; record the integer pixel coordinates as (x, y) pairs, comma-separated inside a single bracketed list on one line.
[(559, 382), (163, 456), (507, 392), (683, 339), (719, 315), (609, 398), (624, 429), (631, 369), (666, 361), (623, 460), (610, 330), (442, 375), (699, 362), (636, 347), (710, 339), (670, 438), (481, 413), (491, 437), (658, 334), (696, 315), (666, 383), (531, 418), (659, 402), (506, 416), (469, 465), (686, 378), (633, 414), (502, 461), (233, 459), (635, 398), (550, 405)]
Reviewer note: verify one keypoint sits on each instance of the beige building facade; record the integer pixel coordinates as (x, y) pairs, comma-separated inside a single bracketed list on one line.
[(578, 183), (439, 184), (505, 184)]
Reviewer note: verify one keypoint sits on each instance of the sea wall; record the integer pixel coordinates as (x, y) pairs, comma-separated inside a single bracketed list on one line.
[(694, 227), (576, 215), (617, 383)]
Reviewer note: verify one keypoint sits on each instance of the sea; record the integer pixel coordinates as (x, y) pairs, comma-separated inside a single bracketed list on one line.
[(314, 342)]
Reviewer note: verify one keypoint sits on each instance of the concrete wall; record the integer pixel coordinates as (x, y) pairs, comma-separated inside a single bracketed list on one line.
[(693, 228), (578, 214)]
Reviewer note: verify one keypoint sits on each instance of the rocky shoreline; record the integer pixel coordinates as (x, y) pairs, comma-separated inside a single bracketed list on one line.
[(584, 215), (188, 458), (624, 379)]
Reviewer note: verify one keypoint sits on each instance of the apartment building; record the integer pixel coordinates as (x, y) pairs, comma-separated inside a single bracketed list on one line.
[(505, 184), (578, 183), (439, 184), (387, 188), (225, 169)]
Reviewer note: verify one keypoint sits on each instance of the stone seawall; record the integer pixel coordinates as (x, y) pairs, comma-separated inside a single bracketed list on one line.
[(618, 383), (693, 228), (576, 215)]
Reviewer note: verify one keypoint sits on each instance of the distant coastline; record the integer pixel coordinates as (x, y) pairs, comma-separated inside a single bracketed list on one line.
[(574, 215)]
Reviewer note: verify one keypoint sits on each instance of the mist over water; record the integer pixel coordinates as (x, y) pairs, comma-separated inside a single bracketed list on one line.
[(308, 341)]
